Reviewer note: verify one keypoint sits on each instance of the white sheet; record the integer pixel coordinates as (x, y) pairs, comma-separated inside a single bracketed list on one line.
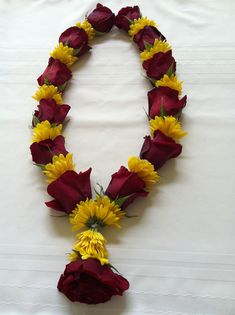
[(179, 254)]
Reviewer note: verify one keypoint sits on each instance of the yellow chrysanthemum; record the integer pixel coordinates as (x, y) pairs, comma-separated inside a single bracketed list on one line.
[(139, 24), (60, 164), (47, 92), (44, 130), (91, 244), (172, 82), (93, 213), (158, 46), (64, 54), (144, 169), (73, 256), (87, 28), (168, 125)]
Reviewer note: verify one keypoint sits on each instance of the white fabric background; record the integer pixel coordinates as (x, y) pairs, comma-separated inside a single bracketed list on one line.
[(179, 253)]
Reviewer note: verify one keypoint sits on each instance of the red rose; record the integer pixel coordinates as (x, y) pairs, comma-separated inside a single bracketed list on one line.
[(159, 149), (76, 38), (49, 110), (125, 16), (87, 281), (147, 35), (68, 190), (166, 99), (125, 183), (56, 73), (159, 64), (102, 19), (43, 151)]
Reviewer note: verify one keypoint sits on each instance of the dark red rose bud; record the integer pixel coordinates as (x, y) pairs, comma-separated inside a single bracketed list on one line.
[(76, 38), (49, 110), (102, 19), (147, 35), (159, 149), (87, 281), (43, 151), (165, 100), (56, 73), (159, 65), (125, 16), (68, 190), (125, 183)]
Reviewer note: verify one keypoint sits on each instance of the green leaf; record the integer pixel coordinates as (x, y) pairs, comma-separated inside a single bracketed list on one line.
[(101, 193), (147, 46), (65, 123), (41, 166), (149, 118), (120, 201), (162, 111), (99, 33), (153, 81), (112, 267), (47, 82), (130, 216), (35, 120), (129, 20), (62, 87), (170, 70)]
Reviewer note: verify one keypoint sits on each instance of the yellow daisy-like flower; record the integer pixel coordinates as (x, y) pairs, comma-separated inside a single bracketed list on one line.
[(44, 130), (47, 92), (172, 82), (91, 244), (73, 256), (87, 28), (93, 213), (158, 46), (144, 169), (60, 164), (139, 24), (64, 54), (168, 125)]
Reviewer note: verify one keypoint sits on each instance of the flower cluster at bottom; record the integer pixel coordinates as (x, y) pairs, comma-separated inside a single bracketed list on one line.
[(89, 277)]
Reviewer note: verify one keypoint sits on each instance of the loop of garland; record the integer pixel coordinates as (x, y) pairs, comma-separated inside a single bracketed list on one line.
[(89, 277)]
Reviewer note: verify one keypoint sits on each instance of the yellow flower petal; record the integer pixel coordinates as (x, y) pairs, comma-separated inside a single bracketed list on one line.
[(144, 169), (44, 130), (139, 24), (158, 46), (48, 92), (168, 125), (91, 244), (93, 213), (60, 164), (172, 82), (87, 28), (64, 54)]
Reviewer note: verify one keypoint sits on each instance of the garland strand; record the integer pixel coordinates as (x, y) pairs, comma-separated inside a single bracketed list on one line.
[(89, 277)]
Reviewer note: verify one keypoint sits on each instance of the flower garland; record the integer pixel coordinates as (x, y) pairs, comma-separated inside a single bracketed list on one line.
[(89, 277)]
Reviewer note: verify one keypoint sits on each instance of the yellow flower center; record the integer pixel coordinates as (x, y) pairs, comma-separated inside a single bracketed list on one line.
[(44, 130), (48, 92), (91, 244), (158, 46), (168, 125), (144, 169), (87, 28), (64, 54), (139, 24), (93, 213), (60, 164), (172, 82)]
